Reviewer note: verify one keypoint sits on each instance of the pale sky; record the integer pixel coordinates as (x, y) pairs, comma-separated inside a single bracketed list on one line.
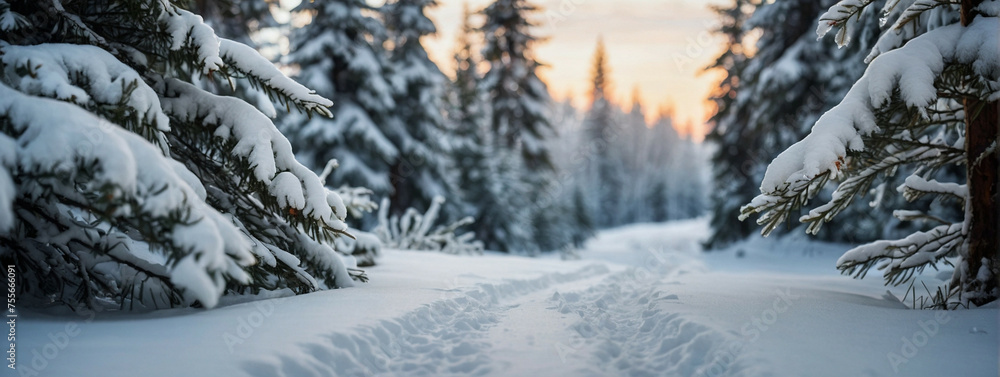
[(659, 45)]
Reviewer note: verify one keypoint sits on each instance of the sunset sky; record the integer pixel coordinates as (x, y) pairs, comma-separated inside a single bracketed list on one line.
[(659, 45)]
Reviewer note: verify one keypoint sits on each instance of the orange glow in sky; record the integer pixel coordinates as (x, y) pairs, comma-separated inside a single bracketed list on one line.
[(659, 46)]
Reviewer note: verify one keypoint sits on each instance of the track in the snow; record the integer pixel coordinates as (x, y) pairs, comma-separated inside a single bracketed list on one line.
[(444, 338), (595, 323)]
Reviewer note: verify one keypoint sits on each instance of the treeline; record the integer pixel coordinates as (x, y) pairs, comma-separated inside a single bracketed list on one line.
[(151, 157), (627, 169), (484, 140)]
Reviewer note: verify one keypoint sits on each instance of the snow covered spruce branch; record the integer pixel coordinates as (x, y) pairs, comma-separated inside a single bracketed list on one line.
[(910, 110), (123, 184), (413, 231), (901, 152), (263, 75), (911, 19)]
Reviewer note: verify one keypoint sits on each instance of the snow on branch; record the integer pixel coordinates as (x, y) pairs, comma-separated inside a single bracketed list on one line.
[(357, 199), (776, 208), (916, 186), (913, 12), (262, 73), (990, 8), (912, 215), (9, 20), (906, 24), (858, 182), (262, 146), (206, 249), (364, 247), (188, 30), (840, 15), (90, 77), (902, 258), (912, 70)]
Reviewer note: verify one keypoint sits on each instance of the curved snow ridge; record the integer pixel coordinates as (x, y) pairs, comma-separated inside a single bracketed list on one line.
[(443, 338), (625, 328)]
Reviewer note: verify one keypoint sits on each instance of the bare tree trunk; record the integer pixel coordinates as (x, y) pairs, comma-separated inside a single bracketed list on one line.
[(982, 132)]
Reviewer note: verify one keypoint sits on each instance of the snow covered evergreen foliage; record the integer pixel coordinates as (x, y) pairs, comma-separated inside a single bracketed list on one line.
[(927, 101), (583, 227), (122, 184), (518, 98), (419, 174), (732, 155), (771, 98), (413, 231), (604, 173), (571, 194), (503, 123), (470, 163), (522, 130), (341, 55), (240, 21)]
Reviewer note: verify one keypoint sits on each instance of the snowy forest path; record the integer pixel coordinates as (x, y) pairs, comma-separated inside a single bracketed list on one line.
[(622, 324), (442, 338), (631, 307), (627, 323), (600, 319), (590, 322), (643, 301)]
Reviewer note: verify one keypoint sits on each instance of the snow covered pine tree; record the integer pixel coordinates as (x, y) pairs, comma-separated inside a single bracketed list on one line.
[(517, 105), (470, 162), (605, 173), (340, 54), (927, 100), (735, 150), (124, 185), (418, 177)]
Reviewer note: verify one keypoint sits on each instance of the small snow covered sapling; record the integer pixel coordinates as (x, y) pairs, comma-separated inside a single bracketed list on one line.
[(125, 184), (413, 231), (357, 199), (364, 247), (927, 102)]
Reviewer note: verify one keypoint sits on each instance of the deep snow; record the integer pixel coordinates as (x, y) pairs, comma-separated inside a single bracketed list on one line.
[(643, 301)]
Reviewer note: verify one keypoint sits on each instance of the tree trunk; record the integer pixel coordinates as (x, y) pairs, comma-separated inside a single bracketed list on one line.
[(400, 198), (982, 131)]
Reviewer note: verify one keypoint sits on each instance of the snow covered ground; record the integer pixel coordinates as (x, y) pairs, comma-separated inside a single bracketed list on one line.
[(643, 301)]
